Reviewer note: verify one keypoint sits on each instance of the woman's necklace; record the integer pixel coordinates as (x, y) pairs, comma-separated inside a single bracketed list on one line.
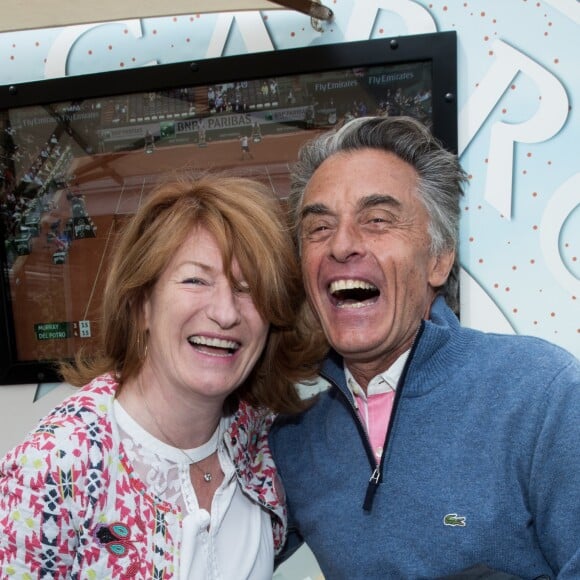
[(207, 476)]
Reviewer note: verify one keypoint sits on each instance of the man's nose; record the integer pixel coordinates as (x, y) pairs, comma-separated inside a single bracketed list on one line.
[(346, 242)]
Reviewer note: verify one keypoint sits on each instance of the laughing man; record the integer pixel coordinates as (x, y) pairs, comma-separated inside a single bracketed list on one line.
[(437, 450)]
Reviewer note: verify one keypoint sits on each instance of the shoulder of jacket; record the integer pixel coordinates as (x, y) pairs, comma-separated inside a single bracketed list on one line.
[(73, 436)]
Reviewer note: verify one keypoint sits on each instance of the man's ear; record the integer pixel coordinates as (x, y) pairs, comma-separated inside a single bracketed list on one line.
[(440, 267)]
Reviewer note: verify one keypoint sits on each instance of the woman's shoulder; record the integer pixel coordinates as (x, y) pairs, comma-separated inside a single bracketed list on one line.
[(70, 433), (250, 421), (246, 435), (89, 405)]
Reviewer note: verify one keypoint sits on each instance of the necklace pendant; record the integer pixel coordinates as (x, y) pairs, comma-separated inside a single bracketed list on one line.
[(207, 476)]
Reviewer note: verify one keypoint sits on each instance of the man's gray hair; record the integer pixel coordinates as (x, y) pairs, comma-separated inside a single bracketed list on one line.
[(440, 184)]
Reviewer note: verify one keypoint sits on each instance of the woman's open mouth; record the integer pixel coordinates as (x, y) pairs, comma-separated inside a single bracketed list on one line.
[(213, 346)]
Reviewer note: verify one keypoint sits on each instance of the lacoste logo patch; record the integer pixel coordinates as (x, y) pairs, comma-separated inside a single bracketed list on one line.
[(454, 520)]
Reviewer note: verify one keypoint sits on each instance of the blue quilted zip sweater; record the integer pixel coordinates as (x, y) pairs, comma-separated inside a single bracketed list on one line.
[(481, 463)]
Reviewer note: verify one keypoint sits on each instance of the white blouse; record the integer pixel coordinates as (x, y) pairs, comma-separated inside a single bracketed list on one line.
[(235, 541)]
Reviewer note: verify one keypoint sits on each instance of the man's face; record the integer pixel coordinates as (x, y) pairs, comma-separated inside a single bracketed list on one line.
[(366, 258)]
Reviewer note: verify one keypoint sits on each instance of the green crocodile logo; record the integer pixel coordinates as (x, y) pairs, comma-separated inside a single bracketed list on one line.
[(454, 520)]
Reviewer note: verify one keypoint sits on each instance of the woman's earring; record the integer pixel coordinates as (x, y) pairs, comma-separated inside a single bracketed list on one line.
[(142, 350)]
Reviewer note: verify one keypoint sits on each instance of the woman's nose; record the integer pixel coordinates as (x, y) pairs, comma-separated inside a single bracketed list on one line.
[(224, 309)]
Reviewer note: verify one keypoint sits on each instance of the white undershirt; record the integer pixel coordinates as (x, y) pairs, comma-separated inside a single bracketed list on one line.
[(238, 543)]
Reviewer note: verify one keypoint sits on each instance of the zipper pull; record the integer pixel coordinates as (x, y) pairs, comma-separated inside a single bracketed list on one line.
[(371, 489)]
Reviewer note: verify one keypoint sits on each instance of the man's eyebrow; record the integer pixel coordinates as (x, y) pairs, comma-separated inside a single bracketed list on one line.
[(376, 199), (366, 202), (314, 209)]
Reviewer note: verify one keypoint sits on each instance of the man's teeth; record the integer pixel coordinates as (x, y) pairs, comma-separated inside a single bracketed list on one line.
[(351, 304), (350, 285), (351, 293), (214, 342)]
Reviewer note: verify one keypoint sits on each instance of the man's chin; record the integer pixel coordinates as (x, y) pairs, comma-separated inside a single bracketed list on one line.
[(349, 346)]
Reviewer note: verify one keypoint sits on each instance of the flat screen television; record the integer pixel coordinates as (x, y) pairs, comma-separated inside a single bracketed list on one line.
[(79, 154)]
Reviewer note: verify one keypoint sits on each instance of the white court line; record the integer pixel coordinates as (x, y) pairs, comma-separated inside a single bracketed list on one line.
[(271, 183), (141, 194), (105, 251)]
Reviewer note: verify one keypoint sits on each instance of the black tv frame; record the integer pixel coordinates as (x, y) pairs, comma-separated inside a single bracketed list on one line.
[(437, 49)]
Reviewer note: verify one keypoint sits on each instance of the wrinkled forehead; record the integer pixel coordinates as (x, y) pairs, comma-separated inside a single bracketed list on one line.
[(356, 180)]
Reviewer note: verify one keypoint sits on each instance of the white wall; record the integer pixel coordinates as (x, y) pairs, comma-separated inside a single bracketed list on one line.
[(21, 406)]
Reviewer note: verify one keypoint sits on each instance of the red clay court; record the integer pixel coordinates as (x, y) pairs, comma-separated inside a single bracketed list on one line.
[(113, 185)]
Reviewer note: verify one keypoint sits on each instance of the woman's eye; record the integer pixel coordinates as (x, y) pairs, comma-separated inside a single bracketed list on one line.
[(194, 281), (242, 288)]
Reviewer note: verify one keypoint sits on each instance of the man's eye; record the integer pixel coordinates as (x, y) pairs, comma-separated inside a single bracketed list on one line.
[(316, 229), (382, 217)]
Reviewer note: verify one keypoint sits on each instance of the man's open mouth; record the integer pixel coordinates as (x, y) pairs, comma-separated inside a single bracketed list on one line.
[(214, 346), (353, 293)]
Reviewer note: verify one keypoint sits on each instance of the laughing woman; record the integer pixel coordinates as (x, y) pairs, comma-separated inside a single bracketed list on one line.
[(158, 467)]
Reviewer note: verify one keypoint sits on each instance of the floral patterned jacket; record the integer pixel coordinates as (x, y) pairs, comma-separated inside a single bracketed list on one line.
[(71, 506)]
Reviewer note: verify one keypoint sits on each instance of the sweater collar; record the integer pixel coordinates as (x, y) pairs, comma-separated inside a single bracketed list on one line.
[(433, 352)]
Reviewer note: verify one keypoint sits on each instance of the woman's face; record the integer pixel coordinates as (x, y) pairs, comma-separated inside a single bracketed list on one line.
[(204, 336)]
